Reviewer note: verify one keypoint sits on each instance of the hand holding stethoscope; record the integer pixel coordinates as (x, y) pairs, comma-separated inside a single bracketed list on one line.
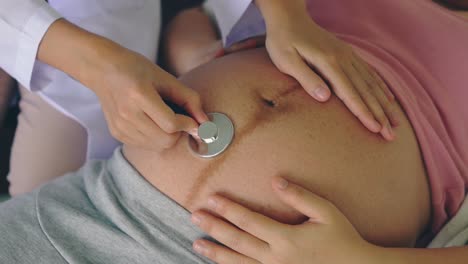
[(130, 87)]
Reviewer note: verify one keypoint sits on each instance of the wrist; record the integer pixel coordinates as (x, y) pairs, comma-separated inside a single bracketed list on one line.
[(382, 255), (97, 57), (367, 253)]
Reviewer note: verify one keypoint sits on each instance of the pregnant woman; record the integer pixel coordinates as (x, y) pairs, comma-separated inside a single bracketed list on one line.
[(93, 61), (135, 207)]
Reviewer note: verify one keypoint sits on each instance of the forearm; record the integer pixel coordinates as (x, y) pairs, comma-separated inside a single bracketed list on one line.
[(187, 40), (455, 255), (77, 52)]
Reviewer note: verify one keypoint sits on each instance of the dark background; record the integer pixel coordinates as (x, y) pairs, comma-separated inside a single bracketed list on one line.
[(6, 137), (7, 129)]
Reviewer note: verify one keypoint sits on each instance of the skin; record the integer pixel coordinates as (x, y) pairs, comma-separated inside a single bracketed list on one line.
[(254, 238), (293, 42), (132, 90), (296, 43), (280, 130), (413, 254), (197, 44)]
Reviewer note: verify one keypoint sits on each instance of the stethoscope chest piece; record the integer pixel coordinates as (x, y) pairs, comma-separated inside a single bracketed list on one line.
[(215, 136)]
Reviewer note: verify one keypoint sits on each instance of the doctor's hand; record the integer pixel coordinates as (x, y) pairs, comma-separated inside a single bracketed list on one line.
[(130, 87), (131, 90), (297, 45), (327, 237)]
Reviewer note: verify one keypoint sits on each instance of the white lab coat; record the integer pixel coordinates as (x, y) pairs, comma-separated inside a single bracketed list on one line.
[(227, 13), (134, 24)]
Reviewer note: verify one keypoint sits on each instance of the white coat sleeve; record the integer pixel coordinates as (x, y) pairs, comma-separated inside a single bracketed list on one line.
[(23, 24), (227, 13)]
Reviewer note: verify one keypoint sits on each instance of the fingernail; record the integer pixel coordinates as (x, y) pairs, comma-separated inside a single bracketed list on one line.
[(394, 119), (194, 132), (376, 127), (252, 43), (390, 131), (205, 118), (322, 93), (196, 219), (199, 247), (212, 203), (390, 95), (282, 184), (220, 53)]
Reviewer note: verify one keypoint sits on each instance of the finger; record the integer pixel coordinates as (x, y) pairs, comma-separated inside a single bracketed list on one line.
[(144, 124), (247, 44), (155, 137), (361, 81), (253, 223), (229, 235), (118, 127), (304, 201), (345, 90), (164, 117), (187, 124), (184, 97), (297, 68), (387, 104), (127, 134), (220, 254), (220, 53), (153, 105), (133, 123), (382, 84), (392, 114)]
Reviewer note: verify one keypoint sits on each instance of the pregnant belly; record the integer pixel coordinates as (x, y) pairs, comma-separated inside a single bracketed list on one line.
[(280, 130), (380, 186)]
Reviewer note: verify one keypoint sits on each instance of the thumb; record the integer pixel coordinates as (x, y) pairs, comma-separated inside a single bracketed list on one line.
[(304, 201), (184, 97), (187, 124)]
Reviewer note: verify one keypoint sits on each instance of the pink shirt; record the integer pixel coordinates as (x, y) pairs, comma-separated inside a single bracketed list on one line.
[(421, 50)]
